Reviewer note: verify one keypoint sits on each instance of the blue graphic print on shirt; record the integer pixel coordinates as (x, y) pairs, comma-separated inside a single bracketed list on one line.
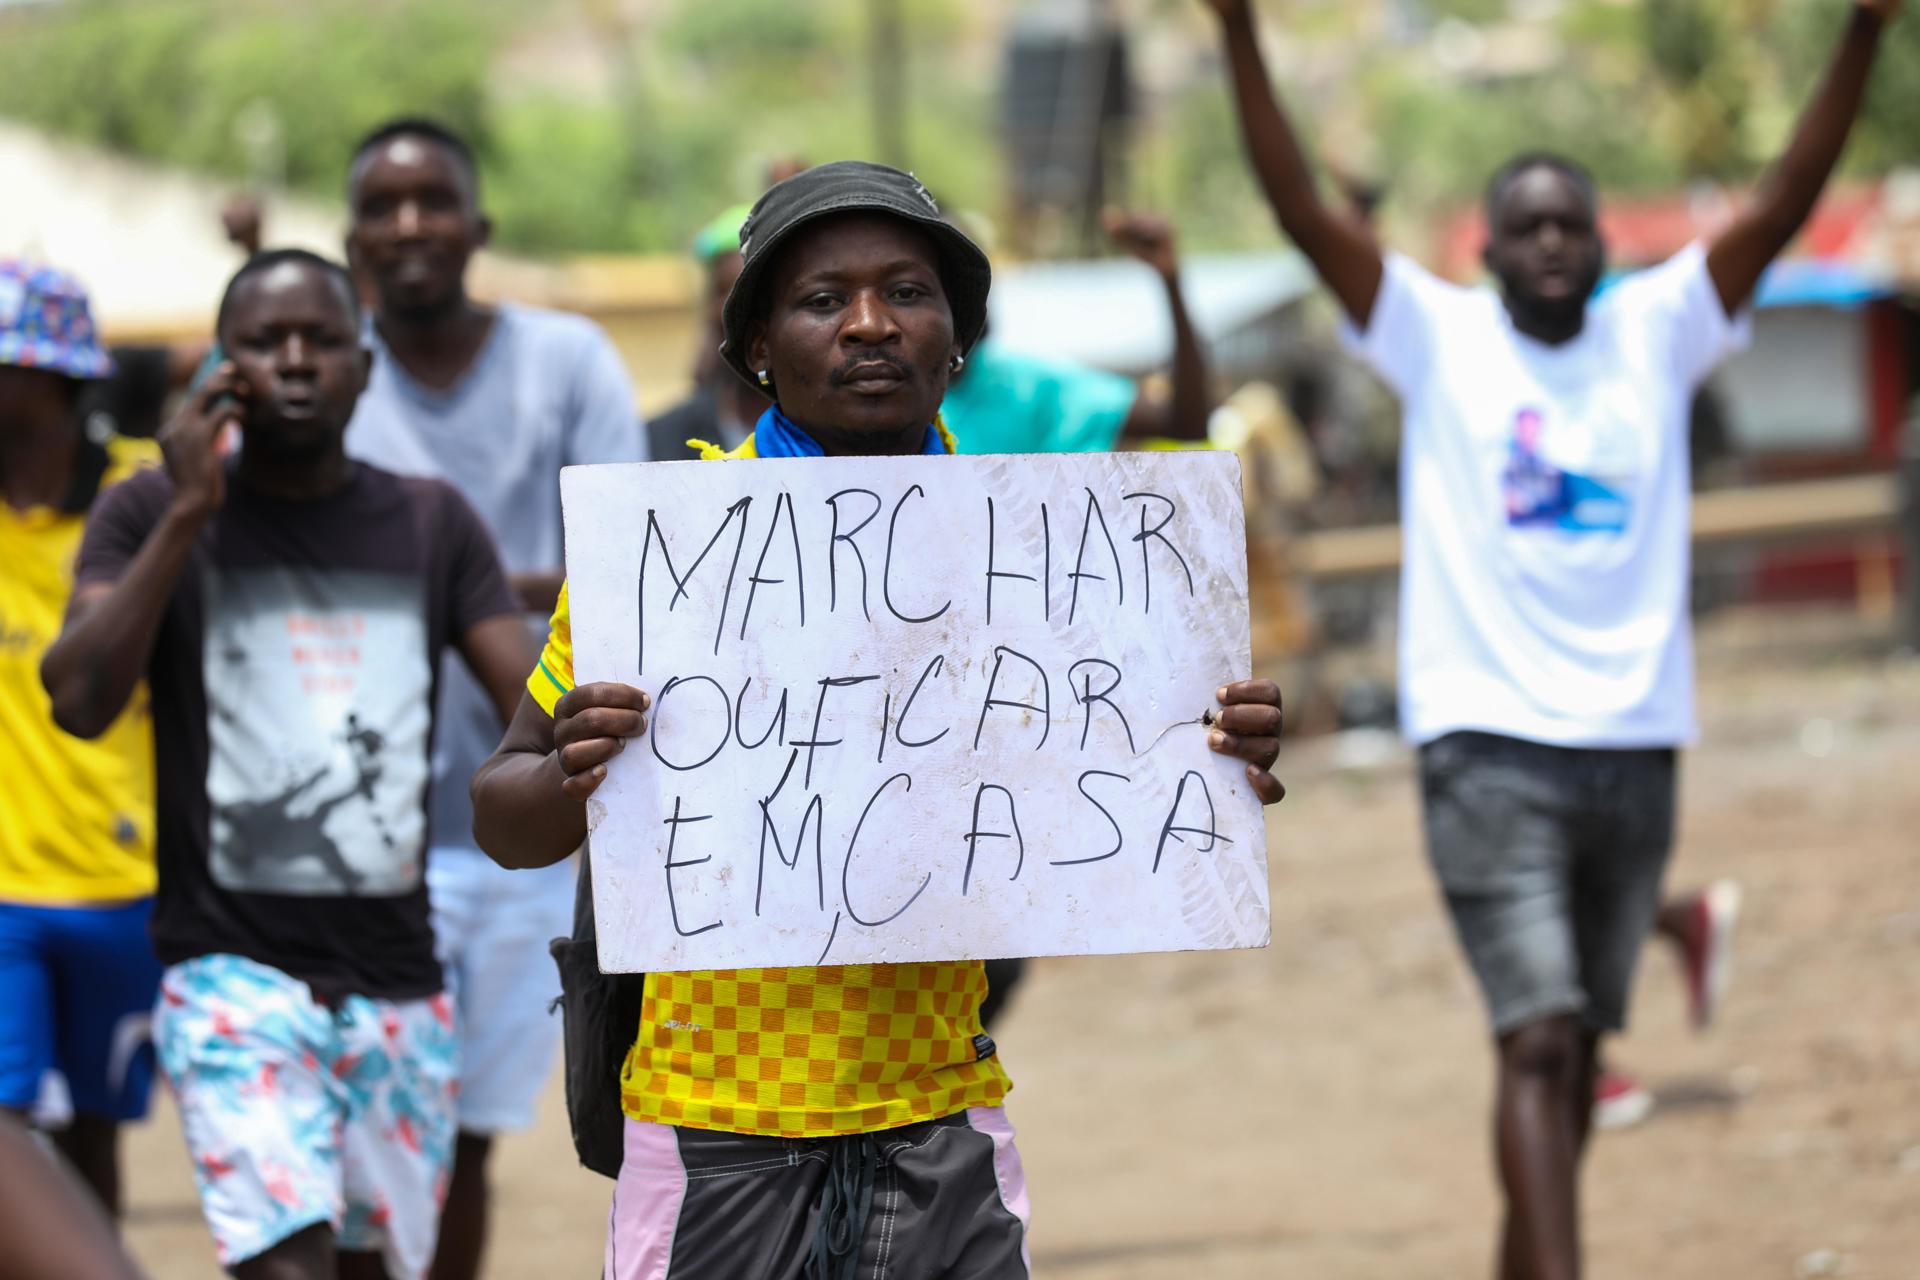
[(1540, 495)]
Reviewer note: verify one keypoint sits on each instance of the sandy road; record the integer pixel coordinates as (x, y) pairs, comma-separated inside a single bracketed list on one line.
[(1318, 1109)]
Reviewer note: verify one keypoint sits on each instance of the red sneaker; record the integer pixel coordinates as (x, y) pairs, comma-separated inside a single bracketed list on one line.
[(1618, 1101), (1706, 948)]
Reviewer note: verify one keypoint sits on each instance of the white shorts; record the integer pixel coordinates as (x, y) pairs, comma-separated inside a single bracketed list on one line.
[(298, 1114), (491, 927)]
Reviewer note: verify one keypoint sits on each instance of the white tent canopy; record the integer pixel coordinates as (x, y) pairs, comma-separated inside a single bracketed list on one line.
[(1112, 312)]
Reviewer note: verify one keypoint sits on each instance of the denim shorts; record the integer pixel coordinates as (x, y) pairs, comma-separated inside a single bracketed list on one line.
[(1551, 860)]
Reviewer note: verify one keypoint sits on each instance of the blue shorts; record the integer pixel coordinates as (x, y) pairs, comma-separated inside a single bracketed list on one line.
[(77, 986)]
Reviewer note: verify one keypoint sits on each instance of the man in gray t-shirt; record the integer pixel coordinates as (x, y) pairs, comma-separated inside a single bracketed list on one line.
[(495, 400)]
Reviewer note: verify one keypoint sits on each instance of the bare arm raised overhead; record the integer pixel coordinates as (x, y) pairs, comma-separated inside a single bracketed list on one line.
[(1342, 252), (1788, 193), (1183, 415)]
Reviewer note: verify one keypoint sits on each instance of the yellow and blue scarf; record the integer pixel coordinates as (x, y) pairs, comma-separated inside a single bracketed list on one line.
[(778, 436)]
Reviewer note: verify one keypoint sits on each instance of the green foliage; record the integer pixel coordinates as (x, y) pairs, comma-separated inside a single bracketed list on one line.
[(175, 80), (742, 33), (1889, 131), (1442, 149), (146, 50), (280, 92), (558, 178), (706, 92), (1475, 11), (1194, 166), (1683, 39), (716, 105), (1647, 95)]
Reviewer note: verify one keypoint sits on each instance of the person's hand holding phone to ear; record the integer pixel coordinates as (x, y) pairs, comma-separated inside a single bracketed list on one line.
[(198, 438)]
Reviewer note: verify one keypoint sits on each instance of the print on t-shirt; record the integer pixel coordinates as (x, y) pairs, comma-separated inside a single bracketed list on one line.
[(1543, 494), (318, 711)]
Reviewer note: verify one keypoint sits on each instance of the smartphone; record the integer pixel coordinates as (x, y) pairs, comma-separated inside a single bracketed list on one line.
[(216, 356)]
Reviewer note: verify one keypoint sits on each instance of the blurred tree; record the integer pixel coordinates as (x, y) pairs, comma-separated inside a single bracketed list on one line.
[(1889, 131), (1191, 164), (704, 92), (1441, 148), (695, 111), (747, 36), (557, 178), (1683, 38), (1693, 50), (170, 80), (1649, 96), (1474, 11)]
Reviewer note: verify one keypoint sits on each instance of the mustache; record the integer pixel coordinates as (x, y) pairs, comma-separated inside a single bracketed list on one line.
[(840, 376)]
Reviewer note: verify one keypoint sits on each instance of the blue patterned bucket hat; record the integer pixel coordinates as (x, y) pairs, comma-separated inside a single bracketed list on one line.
[(45, 323)]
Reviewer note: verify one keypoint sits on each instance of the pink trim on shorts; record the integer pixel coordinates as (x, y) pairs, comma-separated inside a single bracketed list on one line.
[(646, 1203), (1007, 1170)]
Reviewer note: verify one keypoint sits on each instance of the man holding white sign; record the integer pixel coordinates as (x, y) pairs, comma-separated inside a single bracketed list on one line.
[(834, 1120)]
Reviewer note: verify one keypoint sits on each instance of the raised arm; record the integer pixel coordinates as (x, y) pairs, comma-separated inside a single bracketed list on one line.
[(91, 670), (1184, 416), (1343, 253), (1787, 195)]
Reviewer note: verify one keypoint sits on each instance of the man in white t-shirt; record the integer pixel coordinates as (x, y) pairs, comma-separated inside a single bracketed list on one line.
[(1546, 661), (494, 400)]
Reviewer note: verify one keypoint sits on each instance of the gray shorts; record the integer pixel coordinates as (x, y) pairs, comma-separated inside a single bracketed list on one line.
[(1551, 859), (936, 1200)]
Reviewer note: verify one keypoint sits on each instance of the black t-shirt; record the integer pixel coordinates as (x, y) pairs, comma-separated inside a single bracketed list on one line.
[(292, 684)]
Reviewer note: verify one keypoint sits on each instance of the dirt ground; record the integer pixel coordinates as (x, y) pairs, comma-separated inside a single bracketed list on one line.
[(1319, 1108)]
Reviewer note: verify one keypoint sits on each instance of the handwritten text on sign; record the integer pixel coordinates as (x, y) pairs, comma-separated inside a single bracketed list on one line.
[(917, 708)]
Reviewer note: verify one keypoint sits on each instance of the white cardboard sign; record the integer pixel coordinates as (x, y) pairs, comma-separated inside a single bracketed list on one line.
[(931, 708)]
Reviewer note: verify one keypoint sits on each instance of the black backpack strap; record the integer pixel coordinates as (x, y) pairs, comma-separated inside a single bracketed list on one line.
[(601, 1017)]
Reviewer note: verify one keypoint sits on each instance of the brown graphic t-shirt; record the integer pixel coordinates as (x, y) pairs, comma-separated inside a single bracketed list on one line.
[(293, 683)]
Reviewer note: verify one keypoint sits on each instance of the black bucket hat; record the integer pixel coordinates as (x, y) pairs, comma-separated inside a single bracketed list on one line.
[(852, 186)]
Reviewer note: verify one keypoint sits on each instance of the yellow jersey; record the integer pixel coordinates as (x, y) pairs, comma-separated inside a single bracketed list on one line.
[(76, 818), (803, 1052)]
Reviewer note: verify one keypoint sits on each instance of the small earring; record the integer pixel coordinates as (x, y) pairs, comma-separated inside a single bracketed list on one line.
[(765, 381), (958, 363)]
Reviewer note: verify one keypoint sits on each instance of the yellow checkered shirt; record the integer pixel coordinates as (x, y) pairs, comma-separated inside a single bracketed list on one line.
[(805, 1052)]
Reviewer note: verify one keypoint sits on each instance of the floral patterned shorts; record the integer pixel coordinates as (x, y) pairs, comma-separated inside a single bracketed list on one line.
[(298, 1113)]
